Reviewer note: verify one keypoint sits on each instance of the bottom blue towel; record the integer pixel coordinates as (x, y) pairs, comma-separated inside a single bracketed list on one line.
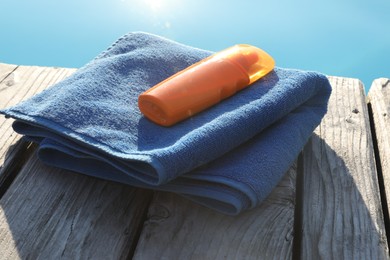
[(228, 157)]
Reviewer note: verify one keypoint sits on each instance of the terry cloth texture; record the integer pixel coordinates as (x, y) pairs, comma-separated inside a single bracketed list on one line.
[(228, 157)]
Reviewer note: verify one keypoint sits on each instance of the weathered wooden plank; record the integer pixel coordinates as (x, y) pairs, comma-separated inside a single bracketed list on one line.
[(5, 81), (18, 83), (24, 81), (49, 213), (342, 214), (54, 213), (176, 228), (379, 102)]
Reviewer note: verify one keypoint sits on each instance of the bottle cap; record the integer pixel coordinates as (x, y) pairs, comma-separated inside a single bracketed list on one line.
[(253, 61)]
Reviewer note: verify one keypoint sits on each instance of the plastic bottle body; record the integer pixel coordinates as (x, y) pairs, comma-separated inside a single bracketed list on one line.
[(200, 86)]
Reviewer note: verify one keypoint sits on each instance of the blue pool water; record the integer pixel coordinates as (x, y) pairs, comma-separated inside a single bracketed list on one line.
[(349, 38)]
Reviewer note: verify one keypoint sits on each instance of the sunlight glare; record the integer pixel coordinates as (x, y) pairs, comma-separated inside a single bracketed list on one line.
[(154, 5), (159, 13)]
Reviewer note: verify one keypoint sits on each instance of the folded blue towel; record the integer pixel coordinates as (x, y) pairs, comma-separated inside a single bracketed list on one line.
[(228, 157)]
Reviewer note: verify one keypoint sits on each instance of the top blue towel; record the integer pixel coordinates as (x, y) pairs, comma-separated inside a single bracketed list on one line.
[(228, 157)]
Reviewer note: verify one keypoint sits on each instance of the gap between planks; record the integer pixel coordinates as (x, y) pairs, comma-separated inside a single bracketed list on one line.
[(15, 158), (378, 101), (381, 181)]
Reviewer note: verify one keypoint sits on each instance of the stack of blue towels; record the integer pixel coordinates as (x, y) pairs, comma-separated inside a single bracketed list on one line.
[(228, 157)]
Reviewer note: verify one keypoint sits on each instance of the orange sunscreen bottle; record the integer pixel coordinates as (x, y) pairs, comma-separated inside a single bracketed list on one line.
[(204, 84)]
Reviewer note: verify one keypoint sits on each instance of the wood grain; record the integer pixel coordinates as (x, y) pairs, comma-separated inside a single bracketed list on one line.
[(18, 83), (379, 101), (50, 213), (341, 208), (179, 229)]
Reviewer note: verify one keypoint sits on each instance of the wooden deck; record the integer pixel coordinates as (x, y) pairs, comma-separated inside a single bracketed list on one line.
[(331, 204)]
